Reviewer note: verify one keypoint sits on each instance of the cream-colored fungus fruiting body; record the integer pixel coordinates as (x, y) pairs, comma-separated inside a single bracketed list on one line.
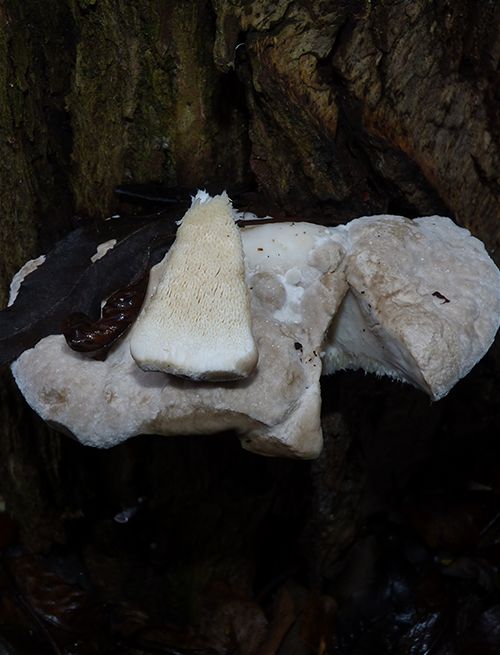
[(196, 322), (416, 300)]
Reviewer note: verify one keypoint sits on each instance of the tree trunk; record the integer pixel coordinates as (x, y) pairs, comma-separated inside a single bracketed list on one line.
[(338, 109)]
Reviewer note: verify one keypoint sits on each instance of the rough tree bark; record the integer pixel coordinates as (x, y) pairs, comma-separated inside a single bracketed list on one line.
[(334, 108)]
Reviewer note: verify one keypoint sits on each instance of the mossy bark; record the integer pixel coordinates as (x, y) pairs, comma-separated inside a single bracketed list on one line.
[(368, 107), (146, 101)]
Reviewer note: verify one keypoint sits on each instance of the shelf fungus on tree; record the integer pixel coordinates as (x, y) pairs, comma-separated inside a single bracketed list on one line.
[(197, 322), (418, 300)]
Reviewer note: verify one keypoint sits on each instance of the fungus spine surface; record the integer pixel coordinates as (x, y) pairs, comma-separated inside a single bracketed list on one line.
[(197, 322)]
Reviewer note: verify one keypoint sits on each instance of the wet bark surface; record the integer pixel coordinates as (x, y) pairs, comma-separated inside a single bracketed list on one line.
[(389, 541)]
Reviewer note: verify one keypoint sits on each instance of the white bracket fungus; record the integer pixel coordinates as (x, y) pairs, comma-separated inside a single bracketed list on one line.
[(417, 300)]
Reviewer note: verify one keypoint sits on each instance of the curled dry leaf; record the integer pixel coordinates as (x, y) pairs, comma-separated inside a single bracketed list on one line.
[(119, 312)]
